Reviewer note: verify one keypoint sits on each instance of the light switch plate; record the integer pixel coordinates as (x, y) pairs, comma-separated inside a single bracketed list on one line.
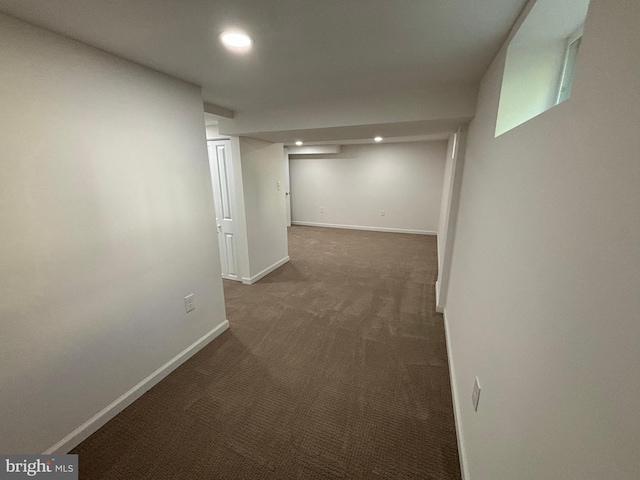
[(188, 303), (475, 396)]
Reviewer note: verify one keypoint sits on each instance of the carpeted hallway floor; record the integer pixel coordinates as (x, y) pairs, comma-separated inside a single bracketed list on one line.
[(335, 366)]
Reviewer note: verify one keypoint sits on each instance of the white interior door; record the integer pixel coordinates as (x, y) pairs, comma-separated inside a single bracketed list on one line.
[(287, 185), (224, 197)]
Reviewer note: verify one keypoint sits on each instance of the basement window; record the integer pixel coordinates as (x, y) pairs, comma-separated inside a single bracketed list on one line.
[(540, 62)]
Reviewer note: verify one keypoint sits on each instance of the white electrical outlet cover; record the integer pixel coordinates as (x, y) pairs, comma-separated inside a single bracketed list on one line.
[(188, 303)]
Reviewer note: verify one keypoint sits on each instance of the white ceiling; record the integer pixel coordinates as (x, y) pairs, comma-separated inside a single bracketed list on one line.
[(305, 51)]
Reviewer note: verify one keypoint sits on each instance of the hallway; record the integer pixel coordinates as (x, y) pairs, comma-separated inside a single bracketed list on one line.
[(334, 367)]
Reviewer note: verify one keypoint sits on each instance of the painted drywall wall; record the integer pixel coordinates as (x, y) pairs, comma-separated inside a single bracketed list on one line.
[(265, 205), (353, 187), (213, 132), (107, 224), (543, 302)]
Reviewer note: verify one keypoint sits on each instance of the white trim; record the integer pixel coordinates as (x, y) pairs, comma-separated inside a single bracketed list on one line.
[(371, 229), (464, 471), (235, 278), (454, 147), (265, 272), (114, 408), (439, 308), (574, 37), (576, 34)]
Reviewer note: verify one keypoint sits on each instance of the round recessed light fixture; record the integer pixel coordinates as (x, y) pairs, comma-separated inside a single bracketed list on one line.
[(298, 143), (235, 39), (378, 139)]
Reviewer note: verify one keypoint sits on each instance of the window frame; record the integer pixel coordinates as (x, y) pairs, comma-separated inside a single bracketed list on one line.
[(576, 36)]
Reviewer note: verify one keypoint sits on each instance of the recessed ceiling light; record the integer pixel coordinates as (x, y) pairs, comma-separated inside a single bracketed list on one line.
[(235, 39), (298, 143), (378, 139)]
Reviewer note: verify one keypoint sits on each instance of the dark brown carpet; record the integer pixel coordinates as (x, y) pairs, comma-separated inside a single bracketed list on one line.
[(334, 367)]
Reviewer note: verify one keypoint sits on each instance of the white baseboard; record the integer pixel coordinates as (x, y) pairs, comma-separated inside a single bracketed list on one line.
[(439, 308), (233, 279), (370, 229), (102, 417), (456, 405), (265, 272)]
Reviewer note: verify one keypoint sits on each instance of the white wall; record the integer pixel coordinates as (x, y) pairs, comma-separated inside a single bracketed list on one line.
[(544, 301), (404, 179), (213, 133), (105, 209), (265, 205)]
